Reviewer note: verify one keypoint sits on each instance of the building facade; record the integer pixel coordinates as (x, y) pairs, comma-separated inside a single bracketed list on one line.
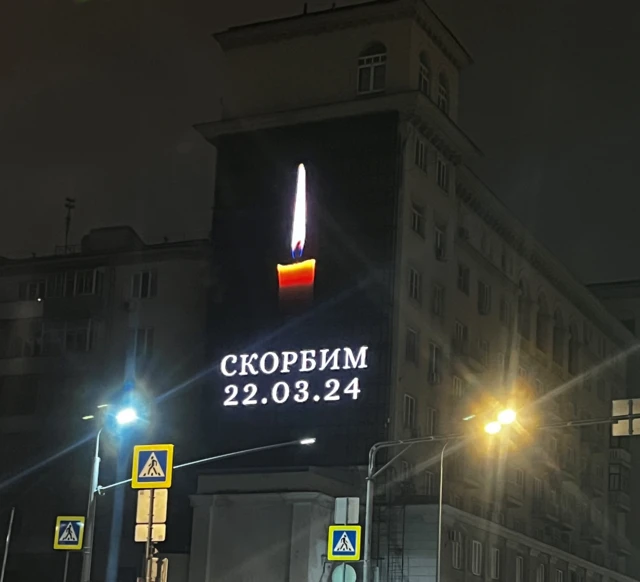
[(75, 330)]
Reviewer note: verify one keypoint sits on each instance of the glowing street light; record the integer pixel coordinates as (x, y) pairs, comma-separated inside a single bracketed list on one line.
[(126, 416), (493, 427), (308, 441), (507, 416)]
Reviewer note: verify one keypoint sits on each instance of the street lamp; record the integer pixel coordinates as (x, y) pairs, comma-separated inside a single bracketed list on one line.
[(123, 417)]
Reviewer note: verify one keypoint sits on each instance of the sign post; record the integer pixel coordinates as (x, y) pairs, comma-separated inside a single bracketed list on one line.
[(69, 534), (344, 543), (152, 473)]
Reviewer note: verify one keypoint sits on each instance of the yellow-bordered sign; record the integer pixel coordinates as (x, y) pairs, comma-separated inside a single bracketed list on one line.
[(344, 542), (152, 467), (69, 532)]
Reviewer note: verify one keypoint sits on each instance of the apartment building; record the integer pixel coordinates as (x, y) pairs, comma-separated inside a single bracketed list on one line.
[(76, 329), (478, 314)]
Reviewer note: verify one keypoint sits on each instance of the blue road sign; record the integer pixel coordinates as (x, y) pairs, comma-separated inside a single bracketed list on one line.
[(69, 533), (152, 467), (344, 542)]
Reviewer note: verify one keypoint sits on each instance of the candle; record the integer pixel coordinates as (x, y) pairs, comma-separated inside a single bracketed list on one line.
[(296, 280)]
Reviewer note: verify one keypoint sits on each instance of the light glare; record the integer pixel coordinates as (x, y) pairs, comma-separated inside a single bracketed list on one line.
[(507, 416), (126, 416), (88, 417), (307, 441), (493, 427)]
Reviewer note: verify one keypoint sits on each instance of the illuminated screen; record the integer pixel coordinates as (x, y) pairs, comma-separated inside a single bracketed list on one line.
[(303, 286)]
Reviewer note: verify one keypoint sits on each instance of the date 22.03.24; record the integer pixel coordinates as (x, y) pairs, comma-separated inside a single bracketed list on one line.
[(298, 392)]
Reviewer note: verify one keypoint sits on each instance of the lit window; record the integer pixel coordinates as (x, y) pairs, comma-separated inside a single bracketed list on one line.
[(144, 285), (476, 558), (372, 68), (409, 411), (420, 158), (417, 220), (415, 285), (442, 173)]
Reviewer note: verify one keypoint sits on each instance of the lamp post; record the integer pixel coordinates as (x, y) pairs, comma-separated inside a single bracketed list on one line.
[(123, 417), (504, 417)]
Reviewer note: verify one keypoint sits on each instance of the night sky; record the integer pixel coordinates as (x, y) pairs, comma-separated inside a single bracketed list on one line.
[(98, 99)]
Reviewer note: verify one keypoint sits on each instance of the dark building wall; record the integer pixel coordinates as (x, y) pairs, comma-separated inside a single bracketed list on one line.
[(352, 185)]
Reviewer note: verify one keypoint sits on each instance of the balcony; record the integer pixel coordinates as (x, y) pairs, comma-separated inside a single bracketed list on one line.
[(620, 545), (566, 520), (592, 533), (620, 500), (514, 494), (620, 456), (545, 509)]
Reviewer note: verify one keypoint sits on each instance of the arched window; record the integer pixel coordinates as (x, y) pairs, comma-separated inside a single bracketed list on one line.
[(372, 68), (558, 338), (574, 340), (542, 324), (443, 93), (424, 75), (524, 310)]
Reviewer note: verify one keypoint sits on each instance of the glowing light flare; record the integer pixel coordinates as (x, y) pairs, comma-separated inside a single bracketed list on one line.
[(299, 228), (507, 416), (493, 427)]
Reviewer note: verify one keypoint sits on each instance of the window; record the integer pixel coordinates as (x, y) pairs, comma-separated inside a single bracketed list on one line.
[(411, 346), (435, 363), (537, 488), (524, 310), (523, 372), (372, 66), (484, 298), (458, 387), (505, 312), (519, 569), (430, 483), (144, 285), (78, 337), (84, 282), (430, 427), (442, 173), (424, 76), (440, 243), (406, 471), (55, 285), (417, 220), (558, 339), (495, 564), (572, 355), (485, 352), (73, 283), (415, 285), (542, 324), (443, 93), (409, 411), (519, 525), (456, 550), (142, 343), (460, 337), (437, 299), (619, 478), (420, 157), (559, 576), (540, 573), (31, 290), (463, 278), (18, 395), (519, 477), (476, 558)]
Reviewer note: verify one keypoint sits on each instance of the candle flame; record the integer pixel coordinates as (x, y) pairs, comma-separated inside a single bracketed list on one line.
[(299, 229)]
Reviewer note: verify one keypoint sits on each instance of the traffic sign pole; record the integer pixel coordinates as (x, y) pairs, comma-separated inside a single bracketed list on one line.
[(66, 566), (148, 554), (87, 550), (6, 545)]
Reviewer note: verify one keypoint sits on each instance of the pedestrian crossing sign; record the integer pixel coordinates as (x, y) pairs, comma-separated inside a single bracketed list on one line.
[(344, 542), (69, 533), (152, 467)]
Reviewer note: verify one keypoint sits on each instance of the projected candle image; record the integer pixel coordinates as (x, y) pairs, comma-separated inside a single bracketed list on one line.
[(296, 280)]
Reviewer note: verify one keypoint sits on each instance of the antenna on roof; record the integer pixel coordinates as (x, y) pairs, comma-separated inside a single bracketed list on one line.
[(304, 9), (69, 204)]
